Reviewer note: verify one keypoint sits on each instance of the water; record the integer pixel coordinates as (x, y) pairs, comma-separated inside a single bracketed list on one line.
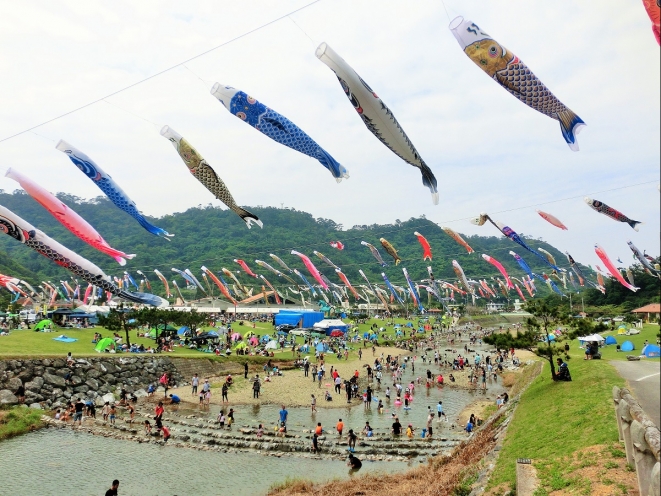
[(57, 462), (454, 401)]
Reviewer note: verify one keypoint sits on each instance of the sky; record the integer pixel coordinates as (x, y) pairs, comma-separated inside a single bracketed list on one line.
[(489, 152)]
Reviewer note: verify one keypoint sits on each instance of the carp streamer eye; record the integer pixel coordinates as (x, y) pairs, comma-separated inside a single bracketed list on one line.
[(241, 116), (493, 51)]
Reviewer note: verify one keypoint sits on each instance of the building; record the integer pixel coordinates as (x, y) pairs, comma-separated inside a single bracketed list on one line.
[(649, 313)]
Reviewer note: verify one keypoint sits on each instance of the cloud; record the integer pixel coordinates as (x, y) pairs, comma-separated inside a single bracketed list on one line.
[(488, 151)]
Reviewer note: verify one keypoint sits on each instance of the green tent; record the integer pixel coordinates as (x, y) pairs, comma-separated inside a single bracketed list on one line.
[(42, 324), (240, 346), (104, 343)]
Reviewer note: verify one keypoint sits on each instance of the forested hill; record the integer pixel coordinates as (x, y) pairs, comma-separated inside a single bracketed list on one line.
[(215, 237)]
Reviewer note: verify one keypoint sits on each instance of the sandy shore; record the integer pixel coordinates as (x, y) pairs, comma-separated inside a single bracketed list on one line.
[(293, 388)]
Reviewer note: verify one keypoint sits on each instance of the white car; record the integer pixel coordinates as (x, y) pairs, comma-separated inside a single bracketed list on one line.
[(299, 333)]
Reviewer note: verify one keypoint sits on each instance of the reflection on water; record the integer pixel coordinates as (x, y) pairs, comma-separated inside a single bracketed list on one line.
[(57, 462)]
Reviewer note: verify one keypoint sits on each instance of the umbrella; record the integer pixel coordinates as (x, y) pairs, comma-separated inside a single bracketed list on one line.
[(236, 336), (104, 343)]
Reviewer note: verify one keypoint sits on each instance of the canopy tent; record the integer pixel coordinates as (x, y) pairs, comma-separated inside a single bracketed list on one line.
[(43, 324), (627, 346), (302, 318), (65, 339), (105, 343), (329, 325), (610, 340), (651, 351), (591, 338)]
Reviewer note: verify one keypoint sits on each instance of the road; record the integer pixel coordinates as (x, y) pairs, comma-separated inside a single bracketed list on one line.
[(644, 378)]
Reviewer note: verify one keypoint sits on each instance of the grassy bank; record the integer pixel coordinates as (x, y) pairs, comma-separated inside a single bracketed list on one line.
[(41, 344), (555, 420), (18, 420)]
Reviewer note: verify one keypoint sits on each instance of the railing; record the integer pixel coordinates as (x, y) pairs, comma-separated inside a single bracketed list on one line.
[(641, 439)]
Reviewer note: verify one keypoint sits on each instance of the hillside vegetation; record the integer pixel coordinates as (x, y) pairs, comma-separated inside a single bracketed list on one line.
[(215, 237)]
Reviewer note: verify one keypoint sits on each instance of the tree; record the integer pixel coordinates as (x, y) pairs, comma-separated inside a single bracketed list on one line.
[(191, 319), (118, 320), (546, 316)]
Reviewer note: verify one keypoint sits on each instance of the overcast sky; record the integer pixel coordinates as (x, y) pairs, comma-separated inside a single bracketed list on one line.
[(488, 151)]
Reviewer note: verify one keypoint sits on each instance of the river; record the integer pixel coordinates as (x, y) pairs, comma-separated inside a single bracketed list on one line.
[(56, 462)]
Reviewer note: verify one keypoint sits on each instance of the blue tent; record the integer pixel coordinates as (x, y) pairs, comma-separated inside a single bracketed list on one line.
[(265, 338), (610, 340), (652, 351), (183, 330), (322, 348), (212, 333), (627, 346), (366, 335), (65, 339)]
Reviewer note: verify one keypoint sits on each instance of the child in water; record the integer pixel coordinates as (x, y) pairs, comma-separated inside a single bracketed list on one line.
[(410, 431), (380, 407)]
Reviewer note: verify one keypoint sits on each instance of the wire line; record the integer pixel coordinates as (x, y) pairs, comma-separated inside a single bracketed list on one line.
[(133, 85)]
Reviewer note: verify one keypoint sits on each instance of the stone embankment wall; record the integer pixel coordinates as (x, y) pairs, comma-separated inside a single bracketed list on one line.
[(642, 441), (45, 384)]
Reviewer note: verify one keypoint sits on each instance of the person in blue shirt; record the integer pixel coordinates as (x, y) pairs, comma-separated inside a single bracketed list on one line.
[(469, 427), (174, 399), (283, 418)]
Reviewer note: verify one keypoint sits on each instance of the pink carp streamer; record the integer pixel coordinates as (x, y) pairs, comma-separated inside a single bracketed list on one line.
[(67, 217), (612, 269), (500, 268), (551, 219), (311, 268)]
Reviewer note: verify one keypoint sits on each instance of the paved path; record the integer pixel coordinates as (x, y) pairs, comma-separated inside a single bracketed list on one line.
[(644, 378)]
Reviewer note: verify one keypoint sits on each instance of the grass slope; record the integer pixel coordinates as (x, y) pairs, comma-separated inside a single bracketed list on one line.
[(555, 420)]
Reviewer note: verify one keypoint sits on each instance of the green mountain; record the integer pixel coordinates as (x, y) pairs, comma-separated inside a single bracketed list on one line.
[(214, 237)]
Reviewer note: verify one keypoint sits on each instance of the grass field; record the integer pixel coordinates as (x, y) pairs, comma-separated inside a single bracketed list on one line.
[(556, 420), (648, 332), (30, 343)]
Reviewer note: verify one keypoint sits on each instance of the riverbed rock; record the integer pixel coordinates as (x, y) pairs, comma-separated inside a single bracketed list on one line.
[(7, 397), (54, 380), (35, 406), (14, 383), (35, 384)]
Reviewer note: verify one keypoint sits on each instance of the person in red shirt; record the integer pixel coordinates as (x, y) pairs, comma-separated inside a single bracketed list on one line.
[(166, 434), (356, 374), (158, 414)]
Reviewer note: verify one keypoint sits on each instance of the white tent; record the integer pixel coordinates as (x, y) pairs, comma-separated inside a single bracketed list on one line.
[(271, 345), (592, 337), (325, 324)]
